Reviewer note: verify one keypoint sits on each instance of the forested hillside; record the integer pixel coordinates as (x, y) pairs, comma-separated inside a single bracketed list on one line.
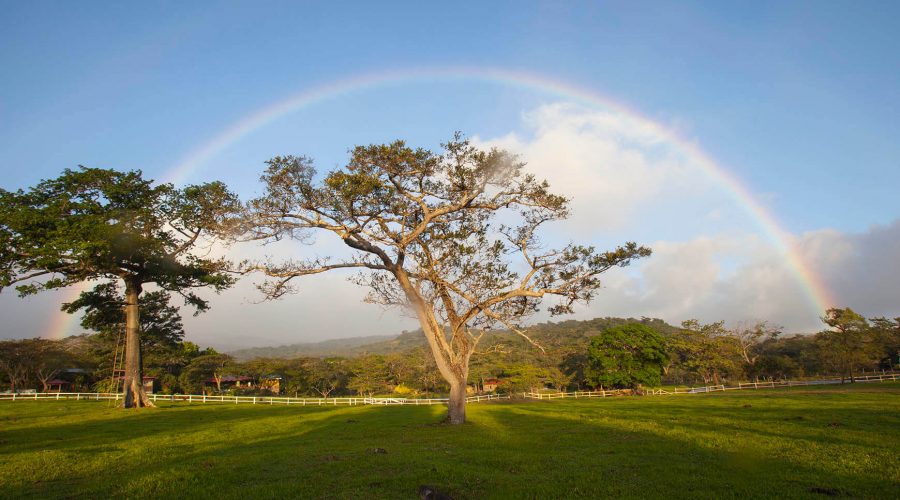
[(335, 347), (550, 335)]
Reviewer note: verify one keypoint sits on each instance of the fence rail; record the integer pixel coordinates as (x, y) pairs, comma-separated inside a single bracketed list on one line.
[(264, 400), (353, 401), (709, 388)]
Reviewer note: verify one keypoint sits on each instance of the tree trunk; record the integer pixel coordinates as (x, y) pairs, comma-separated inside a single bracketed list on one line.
[(133, 388), (453, 366), (456, 407)]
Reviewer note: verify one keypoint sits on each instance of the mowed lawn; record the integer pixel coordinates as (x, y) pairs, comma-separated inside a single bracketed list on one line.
[(812, 443)]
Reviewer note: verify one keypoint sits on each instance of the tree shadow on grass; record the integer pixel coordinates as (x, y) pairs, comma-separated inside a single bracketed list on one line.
[(837, 425), (506, 451), (120, 426)]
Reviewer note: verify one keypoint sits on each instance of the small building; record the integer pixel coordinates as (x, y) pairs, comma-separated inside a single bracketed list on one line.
[(58, 385), (490, 384), (271, 383), (231, 381)]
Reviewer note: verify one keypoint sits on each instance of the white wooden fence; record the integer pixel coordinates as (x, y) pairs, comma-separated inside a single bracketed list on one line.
[(264, 400), (351, 401), (710, 388)]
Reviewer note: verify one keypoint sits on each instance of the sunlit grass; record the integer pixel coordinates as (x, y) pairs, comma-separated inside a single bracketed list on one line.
[(784, 443)]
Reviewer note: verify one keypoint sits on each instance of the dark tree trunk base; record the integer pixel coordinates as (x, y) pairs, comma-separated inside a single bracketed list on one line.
[(136, 397)]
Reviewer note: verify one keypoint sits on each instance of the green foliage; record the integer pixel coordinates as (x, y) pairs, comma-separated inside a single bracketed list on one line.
[(626, 356), (202, 368), (849, 342), (97, 224), (161, 325), (886, 336), (369, 376), (706, 351)]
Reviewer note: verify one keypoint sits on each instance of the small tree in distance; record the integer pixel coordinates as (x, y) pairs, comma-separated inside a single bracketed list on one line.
[(431, 234), (114, 227)]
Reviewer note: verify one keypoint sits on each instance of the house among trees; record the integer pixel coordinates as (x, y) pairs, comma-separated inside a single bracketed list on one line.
[(58, 385), (230, 382), (271, 383), (490, 384)]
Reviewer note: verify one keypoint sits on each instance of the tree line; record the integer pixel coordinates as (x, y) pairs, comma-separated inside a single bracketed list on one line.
[(578, 355)]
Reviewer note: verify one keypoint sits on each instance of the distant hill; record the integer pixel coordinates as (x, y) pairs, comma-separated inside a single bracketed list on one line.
[(551, 335), (352, 346)]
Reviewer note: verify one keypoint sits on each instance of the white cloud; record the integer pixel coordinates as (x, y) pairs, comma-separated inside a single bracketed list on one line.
[(610, 165), (862, 269)]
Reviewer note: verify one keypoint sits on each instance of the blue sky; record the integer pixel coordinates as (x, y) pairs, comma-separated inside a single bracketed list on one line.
[(797, 100)]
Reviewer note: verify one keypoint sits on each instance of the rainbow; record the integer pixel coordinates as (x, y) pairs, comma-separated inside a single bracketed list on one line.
[(818, 295)]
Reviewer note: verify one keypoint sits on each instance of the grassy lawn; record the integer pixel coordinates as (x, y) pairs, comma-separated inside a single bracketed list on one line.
[(808, 442)]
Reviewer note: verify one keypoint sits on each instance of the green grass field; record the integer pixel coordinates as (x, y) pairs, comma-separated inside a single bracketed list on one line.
[(810, 442)]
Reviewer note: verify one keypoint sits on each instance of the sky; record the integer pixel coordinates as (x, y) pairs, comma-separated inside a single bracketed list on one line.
[(752, 145)]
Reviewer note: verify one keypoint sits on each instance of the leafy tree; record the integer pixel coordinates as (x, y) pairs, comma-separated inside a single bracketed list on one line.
[(368, 375), (16, 361), (49, 359), (524, 377), (114, 227), (104, 308), (557, 378), (162, 331), (847, 345), (626, 356), (327, 375), (749, 339), (203, 368), (433, 234), (778, 366), (706, 350), (573, 365), (886, 333)]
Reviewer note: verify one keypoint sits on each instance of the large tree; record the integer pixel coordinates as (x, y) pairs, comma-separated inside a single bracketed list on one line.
[(629, 355), (17, 359), (706, 350), (750, 339), (451, 237), (93, 224), (886, 334), (847, 345)]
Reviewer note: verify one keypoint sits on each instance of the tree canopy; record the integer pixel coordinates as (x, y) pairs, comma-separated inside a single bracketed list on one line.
[(451, 237), (626, 356)]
